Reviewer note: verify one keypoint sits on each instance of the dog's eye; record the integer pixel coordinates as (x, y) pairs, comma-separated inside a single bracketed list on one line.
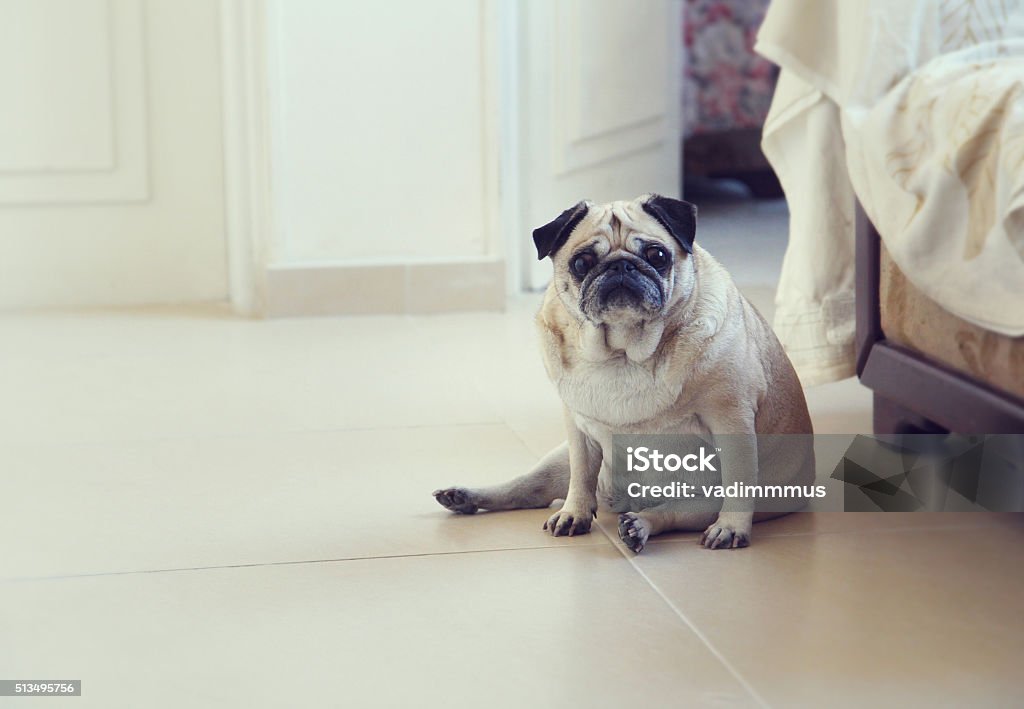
[(656, 256), (582, 263)]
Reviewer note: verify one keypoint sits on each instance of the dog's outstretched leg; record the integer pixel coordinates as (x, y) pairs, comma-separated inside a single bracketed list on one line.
[(547, 482)]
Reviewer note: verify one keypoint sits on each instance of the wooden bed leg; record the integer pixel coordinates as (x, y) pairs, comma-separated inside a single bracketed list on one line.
[(890, 417)]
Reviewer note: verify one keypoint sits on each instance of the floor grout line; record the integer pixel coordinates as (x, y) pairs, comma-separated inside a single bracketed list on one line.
[(632, 559), (522, 440), (687, 622), (608, 537), (299, 562)]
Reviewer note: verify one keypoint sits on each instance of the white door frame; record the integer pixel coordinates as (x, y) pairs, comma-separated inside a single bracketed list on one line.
[(248, 158), (247, 185)]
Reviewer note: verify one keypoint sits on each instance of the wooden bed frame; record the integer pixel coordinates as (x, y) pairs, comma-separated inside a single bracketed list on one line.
[(912, 393)]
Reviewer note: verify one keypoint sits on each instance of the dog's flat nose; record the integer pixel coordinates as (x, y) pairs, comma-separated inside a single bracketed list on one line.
[(621, 266)]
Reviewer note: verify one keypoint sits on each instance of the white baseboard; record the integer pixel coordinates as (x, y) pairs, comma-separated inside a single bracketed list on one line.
[(365, 289)]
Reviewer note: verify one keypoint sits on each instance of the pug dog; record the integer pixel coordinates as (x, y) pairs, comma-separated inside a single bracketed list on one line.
[(643, 332)]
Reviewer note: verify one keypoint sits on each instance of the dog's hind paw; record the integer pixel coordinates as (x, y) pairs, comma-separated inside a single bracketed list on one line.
[(456, 499), (633, 531)]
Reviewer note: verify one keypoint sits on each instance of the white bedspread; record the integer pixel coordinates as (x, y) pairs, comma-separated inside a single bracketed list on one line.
[(917, 108)]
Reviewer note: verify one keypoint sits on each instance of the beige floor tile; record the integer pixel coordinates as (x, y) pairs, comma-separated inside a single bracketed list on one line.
[(164, 373), (299, 497), (554, 627), (871, 522), (901, 618), (808, 523), (540, 433), (748, 237), (840, 407), (499, 354), (761, 297), (1010, 520)]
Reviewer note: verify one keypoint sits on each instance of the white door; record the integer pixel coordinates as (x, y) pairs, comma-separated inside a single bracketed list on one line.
[(111, 162), (599, 93)]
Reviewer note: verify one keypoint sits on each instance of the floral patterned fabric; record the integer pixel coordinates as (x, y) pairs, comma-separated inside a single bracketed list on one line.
[(726, 85)]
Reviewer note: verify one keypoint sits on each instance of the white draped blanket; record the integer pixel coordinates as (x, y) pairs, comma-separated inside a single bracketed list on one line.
[(917, 108)]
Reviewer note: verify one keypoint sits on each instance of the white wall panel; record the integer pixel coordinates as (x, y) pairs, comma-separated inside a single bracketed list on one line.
[(133, 217), (72, 81), (62, 101), (610, 97)]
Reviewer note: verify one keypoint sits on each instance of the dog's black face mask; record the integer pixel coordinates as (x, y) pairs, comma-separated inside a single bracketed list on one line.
[(622, 282)]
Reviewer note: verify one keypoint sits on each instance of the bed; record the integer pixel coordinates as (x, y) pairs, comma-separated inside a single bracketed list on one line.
[(929, 370), (897, 131)]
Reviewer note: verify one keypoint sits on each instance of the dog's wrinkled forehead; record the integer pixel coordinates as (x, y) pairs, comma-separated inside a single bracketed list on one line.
[(612, 225)]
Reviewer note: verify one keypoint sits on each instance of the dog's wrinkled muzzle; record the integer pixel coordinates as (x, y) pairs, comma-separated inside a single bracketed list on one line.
[(623, 284)]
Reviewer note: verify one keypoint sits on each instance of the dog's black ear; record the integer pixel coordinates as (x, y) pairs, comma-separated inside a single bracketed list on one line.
[(549, 238), (678, 217)]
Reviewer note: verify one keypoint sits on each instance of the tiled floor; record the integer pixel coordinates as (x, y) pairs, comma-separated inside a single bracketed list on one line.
[(206, 511)]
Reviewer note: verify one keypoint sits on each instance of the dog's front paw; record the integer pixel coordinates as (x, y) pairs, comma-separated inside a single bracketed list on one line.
[(633, 531), (571, 520), (457, 499), (730, 531)]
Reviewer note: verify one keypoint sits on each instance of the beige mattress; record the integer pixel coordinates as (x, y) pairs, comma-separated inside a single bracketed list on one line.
[(911, 319)]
